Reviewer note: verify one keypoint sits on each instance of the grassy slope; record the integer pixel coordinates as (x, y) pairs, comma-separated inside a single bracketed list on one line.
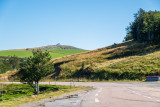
[(128, 60)]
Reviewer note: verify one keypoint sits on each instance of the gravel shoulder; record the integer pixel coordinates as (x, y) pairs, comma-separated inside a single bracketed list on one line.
[(51, 99)]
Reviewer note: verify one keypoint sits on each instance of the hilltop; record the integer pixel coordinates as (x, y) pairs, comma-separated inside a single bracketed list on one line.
[(57, 46), (128, 60)]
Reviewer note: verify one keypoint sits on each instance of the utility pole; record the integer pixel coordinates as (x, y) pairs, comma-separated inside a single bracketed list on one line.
[(70, 79)]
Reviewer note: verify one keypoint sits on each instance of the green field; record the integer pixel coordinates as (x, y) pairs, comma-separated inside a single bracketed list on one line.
[(67, 51), (55, 53), (20, 54)]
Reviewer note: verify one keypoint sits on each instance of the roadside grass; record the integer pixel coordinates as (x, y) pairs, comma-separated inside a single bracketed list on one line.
[(17, 94)]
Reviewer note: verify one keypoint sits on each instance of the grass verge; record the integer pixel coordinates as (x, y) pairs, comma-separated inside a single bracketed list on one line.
[(17, 94)]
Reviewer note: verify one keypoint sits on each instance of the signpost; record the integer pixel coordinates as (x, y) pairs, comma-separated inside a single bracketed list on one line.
[(2, 92)]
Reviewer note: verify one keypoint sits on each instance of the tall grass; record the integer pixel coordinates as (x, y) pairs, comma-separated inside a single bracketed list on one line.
[(125, 61), (12, 91)]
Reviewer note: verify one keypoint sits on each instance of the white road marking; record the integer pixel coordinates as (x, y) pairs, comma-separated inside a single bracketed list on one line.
[(82, 98), (158, 100), (74, 103), (96, 95), (96, 100), (147, 97), (100, 90), (140, 94), (135, 92)]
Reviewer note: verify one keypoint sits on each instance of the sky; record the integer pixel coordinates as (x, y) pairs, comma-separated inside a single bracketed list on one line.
[(86, 24)]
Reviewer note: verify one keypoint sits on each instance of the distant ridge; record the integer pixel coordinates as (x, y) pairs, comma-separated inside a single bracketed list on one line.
[(57, 46)]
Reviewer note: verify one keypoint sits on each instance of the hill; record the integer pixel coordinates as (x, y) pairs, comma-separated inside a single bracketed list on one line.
[(55, 51), (128, 60)]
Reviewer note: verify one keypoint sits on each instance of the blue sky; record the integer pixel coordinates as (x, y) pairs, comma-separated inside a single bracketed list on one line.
[(86, 24)]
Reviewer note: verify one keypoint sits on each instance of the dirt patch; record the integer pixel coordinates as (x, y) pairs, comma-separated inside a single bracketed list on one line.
[(4, 78)]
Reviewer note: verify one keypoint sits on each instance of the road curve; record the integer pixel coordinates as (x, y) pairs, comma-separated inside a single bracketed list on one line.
[(112, 94)]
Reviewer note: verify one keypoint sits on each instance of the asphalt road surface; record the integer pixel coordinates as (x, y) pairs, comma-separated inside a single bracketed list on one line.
[(112, 94)]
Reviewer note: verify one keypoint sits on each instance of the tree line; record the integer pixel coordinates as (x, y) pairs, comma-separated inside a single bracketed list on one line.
[(145, 27)]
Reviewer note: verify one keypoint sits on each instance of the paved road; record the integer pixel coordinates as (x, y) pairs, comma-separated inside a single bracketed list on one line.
[(113, 94)]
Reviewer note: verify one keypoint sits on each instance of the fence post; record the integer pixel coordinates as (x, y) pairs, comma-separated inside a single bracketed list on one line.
[(2, 92)]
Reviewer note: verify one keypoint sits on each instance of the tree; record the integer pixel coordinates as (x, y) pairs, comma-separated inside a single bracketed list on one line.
[(14, 61), (35, 68), (4, 66), (145, 27)]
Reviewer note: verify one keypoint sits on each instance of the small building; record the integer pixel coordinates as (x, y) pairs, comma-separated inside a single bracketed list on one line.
[(153, 78)]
